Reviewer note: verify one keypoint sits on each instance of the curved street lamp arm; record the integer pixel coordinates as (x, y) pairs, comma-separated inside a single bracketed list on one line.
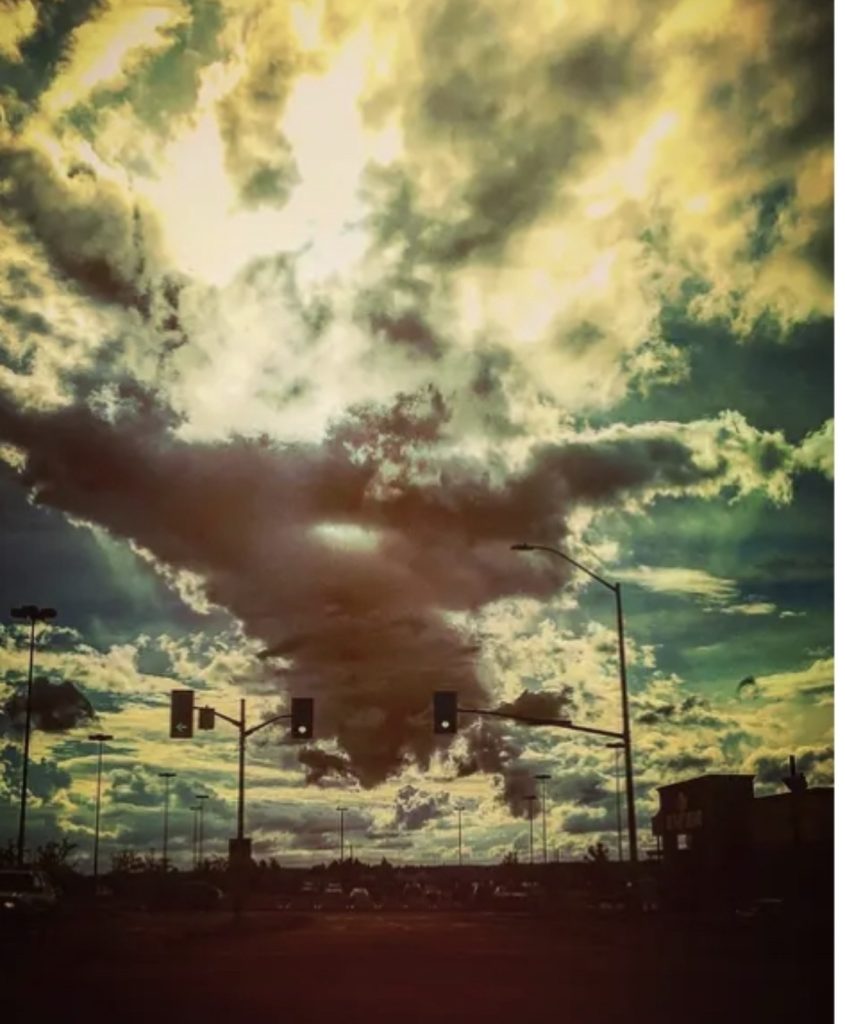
[(566, 558)]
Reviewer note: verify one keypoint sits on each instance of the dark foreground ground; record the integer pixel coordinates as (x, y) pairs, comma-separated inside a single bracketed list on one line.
[(407, 967)]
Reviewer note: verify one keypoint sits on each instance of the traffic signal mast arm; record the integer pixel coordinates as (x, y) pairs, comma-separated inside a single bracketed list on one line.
[(241, 725), (561, 723)]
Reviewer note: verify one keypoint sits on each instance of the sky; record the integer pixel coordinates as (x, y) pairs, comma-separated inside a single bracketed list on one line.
[(309, 311)]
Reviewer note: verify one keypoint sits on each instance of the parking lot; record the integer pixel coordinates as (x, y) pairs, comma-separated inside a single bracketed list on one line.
[(411, 966)]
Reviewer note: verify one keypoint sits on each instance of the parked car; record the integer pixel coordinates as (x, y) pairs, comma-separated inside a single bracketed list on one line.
[(509, 899), (360, 899), (332, 898), (26, 894)]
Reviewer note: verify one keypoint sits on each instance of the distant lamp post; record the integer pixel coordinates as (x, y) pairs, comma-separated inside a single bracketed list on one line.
[(30, 613), (99, 738), (201, 797), (195, 835), (623, 686), (543, 779), (167, 776), (530, 800), (342, 811), (616, 747), (460, 837)]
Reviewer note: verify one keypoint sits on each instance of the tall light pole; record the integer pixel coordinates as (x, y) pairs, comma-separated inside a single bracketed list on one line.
[(460, 838), (543, 779), (167, 776), (201, 797), (30, 613), (616, 747), (342, 812), (100, 738), (530, 799), (195, 835), (616, 588)]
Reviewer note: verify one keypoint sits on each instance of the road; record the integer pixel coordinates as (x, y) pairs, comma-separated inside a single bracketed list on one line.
[(409, 967)]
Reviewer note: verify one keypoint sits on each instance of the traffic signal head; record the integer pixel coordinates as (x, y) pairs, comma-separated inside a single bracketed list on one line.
[(181, 714), (206, 718), (302, 718), (445, 711)]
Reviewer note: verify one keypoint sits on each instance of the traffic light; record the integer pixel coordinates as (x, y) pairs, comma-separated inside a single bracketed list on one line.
[(181, 714), (302, 718), (206, 718), (445, 711)]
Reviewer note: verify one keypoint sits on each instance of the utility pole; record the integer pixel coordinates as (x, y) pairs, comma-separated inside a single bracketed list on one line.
[(460, 839)]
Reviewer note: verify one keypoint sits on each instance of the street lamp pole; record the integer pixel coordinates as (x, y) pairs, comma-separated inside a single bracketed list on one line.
[(460, 839), (616, 588), (342, 812), (543, 779), (616, 747), (201, 797), (100, 738), (167, 776), (30, 613), (530, 801), (195, 836)]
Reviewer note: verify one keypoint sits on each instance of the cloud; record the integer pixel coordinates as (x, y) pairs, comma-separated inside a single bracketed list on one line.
[(680, 580), (750, 608), (55, 707), (416, 807), (816, 451)]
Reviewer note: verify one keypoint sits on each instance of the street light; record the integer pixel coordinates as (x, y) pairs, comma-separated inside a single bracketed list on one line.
[(342, 812), (623, 684), (460, 838), (195, 835), (616, 747), (530, 801), (100, 738), (167, 776), (30, 613), (202, 797), (543, 779)]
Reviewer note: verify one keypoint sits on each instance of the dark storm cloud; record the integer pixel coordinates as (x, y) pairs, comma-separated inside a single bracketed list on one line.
[(319, 765), (539, 705), (360, 619), (690, 711), (56, 707), (416, 807)]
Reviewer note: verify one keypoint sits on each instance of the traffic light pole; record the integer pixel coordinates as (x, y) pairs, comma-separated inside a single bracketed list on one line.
[(243, 735)]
